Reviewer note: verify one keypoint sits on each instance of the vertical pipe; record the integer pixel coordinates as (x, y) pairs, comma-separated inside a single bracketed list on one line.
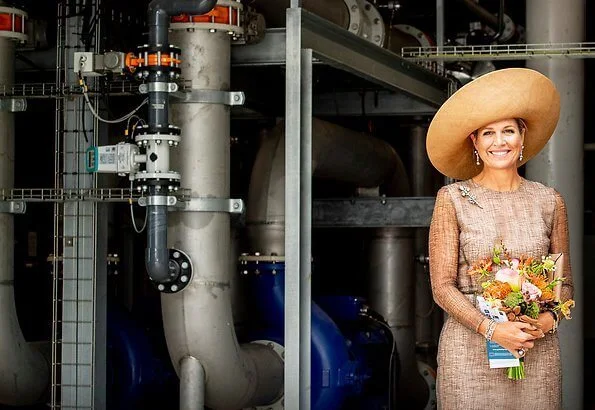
[(198, 321), (192, 384), (560, 163), (24, 372), (421, 183), (391, 292)]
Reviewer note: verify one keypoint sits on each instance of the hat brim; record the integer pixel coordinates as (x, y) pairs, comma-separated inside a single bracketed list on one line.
[(499, 95)]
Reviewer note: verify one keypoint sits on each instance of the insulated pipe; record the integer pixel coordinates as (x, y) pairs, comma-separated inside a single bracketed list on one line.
[(337, 153), (192, 384), (198, 321), (333, 10), (392, 294), (159, 12), (560, 163), (24, 372)]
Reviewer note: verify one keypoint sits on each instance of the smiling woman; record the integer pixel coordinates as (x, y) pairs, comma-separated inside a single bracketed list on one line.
[(500, 146), (478, 137)]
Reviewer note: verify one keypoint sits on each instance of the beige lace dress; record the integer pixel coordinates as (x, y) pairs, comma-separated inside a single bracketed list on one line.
[(530, 221)]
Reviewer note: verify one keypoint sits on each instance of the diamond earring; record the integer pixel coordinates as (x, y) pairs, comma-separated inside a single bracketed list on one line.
[(521, 156), (476, 157)]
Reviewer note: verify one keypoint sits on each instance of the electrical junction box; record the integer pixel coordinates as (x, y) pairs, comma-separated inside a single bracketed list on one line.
[(112, 159), (90, 64)]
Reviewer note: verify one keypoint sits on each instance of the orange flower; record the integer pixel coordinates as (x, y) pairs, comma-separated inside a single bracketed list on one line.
[(497, 290)]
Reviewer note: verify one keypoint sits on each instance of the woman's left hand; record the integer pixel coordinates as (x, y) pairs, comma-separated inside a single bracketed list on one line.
[(546, 320)]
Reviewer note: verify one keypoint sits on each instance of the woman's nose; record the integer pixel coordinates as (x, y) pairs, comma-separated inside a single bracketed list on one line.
[(499, 140)]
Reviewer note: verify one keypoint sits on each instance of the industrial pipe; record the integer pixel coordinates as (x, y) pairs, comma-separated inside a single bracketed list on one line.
[(337, 153), (24, 372), (482, 14), (560, 164), (192, 384), (198, 321), (159, 12)]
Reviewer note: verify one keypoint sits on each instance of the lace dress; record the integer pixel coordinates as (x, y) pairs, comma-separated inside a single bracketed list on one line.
[(530, 221)]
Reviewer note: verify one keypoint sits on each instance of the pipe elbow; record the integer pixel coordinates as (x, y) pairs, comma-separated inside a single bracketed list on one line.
[(157, 264), (182, 6)]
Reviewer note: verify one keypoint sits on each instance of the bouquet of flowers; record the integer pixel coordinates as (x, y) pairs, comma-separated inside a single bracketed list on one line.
[(522, 287)]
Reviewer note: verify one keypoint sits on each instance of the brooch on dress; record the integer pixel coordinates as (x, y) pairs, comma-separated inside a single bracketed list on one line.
[(466, 193)]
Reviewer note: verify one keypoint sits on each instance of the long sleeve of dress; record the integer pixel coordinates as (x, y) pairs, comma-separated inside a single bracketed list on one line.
[(444, 256), (560, 243)]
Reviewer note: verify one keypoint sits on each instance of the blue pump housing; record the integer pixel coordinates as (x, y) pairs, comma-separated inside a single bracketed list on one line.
[(351, 350)]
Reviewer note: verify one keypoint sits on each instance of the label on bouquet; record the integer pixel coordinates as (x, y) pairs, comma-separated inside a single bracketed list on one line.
[(498, 357)]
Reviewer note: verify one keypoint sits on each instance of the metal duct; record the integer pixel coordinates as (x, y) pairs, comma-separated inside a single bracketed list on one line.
[(333, 10), (24, 372), (337, 153), (198, 321)]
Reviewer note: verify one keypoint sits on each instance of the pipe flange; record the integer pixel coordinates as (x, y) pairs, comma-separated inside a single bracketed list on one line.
[(355, 16), (144, 139), (180, 268), (278, 404), (144, 176), (257, 264), (374, 29), (159, 129), (429, 376), (226, 16), (14, 24), (421, 37)]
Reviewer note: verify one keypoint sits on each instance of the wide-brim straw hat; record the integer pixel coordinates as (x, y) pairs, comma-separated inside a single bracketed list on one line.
[(496, 96)]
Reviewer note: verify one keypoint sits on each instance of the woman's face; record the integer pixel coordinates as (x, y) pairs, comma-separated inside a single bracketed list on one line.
[(499, 144)]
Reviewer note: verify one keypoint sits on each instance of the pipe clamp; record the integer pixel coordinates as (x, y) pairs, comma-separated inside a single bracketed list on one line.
[(232, 206), (209, 97), (13, 104), (157, 87), (13, 207)]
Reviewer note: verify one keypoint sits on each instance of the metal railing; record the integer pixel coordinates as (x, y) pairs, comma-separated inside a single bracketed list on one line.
[(500, 52)]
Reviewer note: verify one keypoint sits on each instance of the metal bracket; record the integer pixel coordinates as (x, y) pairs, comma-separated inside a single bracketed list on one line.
[(13, 207), (158, 87), (157, 200), (209, 97), (13, 104), (233, 206)]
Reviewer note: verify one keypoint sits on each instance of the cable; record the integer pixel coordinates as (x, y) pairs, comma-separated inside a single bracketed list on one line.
[(371, 315), (84, 89), (134, 221), (119, 120)]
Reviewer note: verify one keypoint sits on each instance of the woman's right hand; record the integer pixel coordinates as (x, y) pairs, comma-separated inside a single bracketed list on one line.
[(514, 336)]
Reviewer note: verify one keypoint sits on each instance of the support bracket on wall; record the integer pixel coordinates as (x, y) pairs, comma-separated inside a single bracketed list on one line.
[(209, 97), (13, 207), (13, 104)]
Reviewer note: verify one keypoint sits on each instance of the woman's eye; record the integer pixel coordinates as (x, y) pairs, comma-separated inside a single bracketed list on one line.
[(487, 133), (509, 131)]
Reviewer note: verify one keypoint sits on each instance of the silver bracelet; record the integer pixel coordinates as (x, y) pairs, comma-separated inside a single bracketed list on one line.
[(490, 329)]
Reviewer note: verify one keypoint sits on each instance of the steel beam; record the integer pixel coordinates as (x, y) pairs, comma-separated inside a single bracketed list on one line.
[(377, 212)]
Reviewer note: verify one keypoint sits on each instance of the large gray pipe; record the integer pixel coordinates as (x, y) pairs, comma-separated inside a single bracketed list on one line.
[(24, 372), (337, 153), (391, 293), (560, 163), (333, 10), (198, 321)]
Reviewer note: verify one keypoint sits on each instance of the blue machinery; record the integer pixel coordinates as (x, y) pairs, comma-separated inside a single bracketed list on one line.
[(354, 358)]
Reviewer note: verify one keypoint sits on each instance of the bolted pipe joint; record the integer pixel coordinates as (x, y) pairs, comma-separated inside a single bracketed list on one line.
[(160, 10)]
